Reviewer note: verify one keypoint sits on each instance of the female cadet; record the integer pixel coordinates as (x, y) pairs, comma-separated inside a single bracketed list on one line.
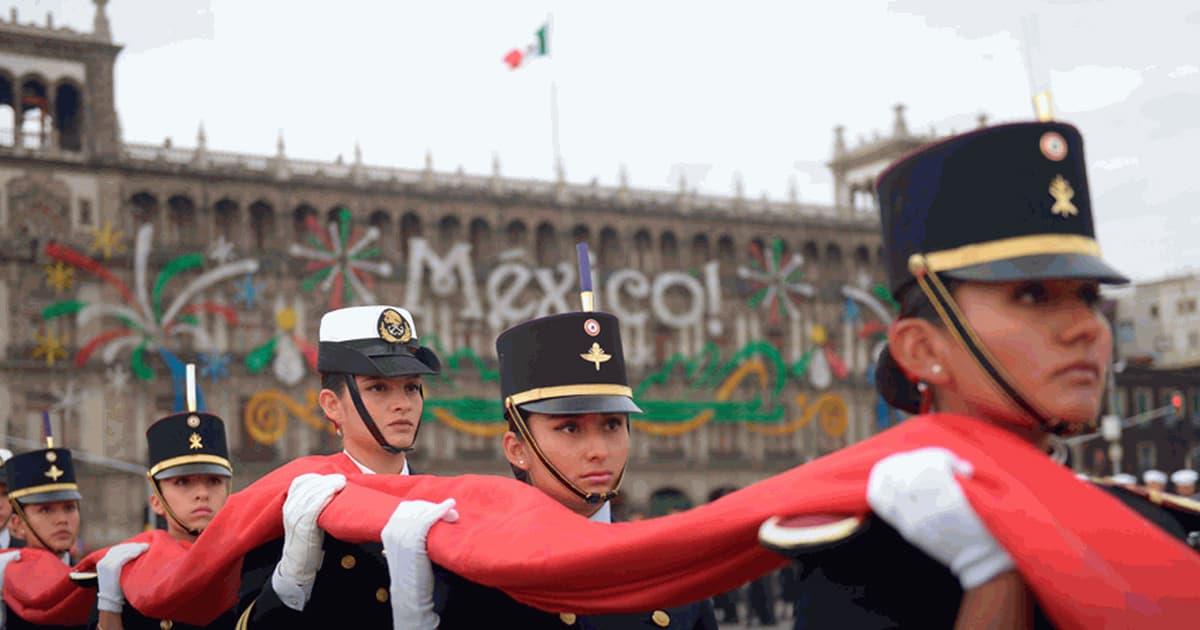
[(567, 402), (190, 476), (45, 502), (993, 259)]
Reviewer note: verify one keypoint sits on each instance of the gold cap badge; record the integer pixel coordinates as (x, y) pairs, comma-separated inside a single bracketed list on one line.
[(194, 442), (392, 327), (596, 355), (54, 472), (1062, 192)]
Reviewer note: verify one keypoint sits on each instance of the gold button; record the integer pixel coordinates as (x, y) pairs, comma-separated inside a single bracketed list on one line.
[(661, 618), (567, 618), (166, 624), (348, 561), (381, 595)]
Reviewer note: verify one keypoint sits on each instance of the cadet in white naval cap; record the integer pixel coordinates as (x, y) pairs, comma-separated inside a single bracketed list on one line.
[(1185, 482), (371, 366), (1124, 479), (1155, 479)]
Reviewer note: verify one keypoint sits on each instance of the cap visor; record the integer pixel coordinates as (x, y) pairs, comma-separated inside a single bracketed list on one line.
[(194, 469), (575, 405), (895, 388), (1041, 266), (51, 497), (400, 365)]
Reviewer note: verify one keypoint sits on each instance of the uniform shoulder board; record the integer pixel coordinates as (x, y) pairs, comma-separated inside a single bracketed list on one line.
[(804, 534)]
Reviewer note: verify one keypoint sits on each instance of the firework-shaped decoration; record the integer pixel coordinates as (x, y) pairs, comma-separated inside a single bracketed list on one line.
[(341, 260), (821, 364), (287, 352), (142, 321), (777, 282)]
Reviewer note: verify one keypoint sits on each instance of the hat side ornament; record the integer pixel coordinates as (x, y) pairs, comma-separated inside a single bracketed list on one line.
[(187, 443), (595, 355)]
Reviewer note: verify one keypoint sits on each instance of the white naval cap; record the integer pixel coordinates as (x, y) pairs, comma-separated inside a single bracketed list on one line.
[(1154, 476), (1185, 477), (1124, 479), (5, 455), (390, 323)]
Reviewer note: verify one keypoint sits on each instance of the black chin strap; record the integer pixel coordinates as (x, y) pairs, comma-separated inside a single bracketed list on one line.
[(356, 397), (591, 498), (20, 512), (947, 309)]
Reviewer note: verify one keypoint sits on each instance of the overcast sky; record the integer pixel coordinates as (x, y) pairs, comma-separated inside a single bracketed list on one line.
[(702, 88)]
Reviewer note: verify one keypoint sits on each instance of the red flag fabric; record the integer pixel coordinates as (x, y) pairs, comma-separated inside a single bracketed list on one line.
[(513, 59), (1089, 560)]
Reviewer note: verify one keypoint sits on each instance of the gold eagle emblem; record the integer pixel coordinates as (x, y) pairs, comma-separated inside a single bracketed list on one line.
[(1062, 192), (596, 355), (393, 328), (194, 442)]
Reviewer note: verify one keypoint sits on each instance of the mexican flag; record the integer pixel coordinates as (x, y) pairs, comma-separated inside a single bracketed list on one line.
[(539, 47)]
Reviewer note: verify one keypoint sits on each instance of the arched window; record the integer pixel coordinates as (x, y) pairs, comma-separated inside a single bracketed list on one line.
[(410, 228), (8, 112), (668, 247), (643, 250), (381, 220), (225, 219), (301, 216), (701, 250), (547, 245), (68, 116), (449, 231), (481, 239), (144, 208), (668, 501), (183, 218), (610, 255), (35, 118), (515, 234), (725, 250), (262, 223)]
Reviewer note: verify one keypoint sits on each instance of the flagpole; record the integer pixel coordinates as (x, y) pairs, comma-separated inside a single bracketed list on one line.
[(553, 96)]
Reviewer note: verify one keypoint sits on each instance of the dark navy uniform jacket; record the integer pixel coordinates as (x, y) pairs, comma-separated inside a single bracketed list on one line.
[(879, 580)]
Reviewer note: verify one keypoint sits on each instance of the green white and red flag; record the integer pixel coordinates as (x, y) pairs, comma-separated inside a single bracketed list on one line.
[(539, 47)]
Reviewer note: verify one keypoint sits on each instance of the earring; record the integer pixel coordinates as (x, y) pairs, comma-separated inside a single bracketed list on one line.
[(521, 462), (937, 368), (926, 397)]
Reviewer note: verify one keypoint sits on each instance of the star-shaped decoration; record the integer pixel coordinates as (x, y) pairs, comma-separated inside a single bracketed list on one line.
[(221, 250), (118, 377), (59, 276), (247, 292), (214, 366), (65, 398), (50, 347), (106, 241)]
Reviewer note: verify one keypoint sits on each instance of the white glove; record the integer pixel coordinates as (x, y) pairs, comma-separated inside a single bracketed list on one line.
[(5, 558), (409, 568), (916, 493), (302, 539), (109, 596)]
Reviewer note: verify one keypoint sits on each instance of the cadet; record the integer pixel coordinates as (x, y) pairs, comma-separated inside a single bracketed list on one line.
[(45, 511), (567, 402), (1185, 482), (6, 539), (190, 476), (371, 367), (993, 259)]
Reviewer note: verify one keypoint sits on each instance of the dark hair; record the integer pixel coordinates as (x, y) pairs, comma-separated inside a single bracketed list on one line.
[(333, 381), (914, 302)]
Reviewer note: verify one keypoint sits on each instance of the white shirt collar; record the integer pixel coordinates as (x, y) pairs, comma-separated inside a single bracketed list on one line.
[(5, 539), (603, 515), (65, 557), (368, 471)]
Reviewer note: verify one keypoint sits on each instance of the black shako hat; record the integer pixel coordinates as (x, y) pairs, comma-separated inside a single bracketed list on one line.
[(42, 476), (998, 204), (571, 363), (188, 444)]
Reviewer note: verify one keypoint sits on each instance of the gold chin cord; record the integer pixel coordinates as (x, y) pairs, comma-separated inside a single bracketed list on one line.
[(20, 512), (591, 498), (947, 309)]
